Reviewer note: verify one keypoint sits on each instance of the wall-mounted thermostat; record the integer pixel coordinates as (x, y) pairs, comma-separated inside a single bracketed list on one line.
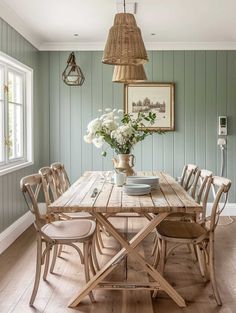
[(222, 128)]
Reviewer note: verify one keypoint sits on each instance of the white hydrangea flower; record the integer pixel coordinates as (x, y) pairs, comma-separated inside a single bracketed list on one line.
[(110, 125), (98, 142), (94, 126), (107, 109), (88, 138)]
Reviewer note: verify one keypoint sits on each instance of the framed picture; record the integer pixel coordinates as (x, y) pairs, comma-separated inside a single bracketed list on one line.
[(151, 97)]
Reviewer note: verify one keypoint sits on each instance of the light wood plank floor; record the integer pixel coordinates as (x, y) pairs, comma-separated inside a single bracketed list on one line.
[(17, 266)]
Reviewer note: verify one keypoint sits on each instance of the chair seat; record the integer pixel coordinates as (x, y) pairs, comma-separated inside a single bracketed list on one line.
[(181, 230), (70, 229), (81, 215)]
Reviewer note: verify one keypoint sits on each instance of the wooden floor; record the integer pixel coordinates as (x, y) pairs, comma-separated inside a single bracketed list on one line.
[(17, 266)]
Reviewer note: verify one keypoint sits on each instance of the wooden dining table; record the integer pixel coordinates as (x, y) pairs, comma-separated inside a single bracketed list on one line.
[(95, 193)]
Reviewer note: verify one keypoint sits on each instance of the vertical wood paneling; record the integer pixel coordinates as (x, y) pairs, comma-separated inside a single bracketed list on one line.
[(44, 107), (211, 111), (76, 129), (147, 144), (65, 116), (179, 134), (107, 98), (200, 108), (86, 64), (221, 97), (158, 140), (231, 112), (168, 75), (97, 92), (189, 91), (54, 106)]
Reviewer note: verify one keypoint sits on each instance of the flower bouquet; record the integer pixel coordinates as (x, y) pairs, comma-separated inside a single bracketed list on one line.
[(121, 133)]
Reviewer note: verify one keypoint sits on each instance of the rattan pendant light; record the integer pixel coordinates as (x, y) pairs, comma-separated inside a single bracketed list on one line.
[(124, 44), (129, 74), (72, 75)]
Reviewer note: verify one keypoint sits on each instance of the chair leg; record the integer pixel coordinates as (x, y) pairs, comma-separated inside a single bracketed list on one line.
[(99, 229), (86, 267), (91, 259), (212, 270), (60, 250), (154, 245), (162, 257), (157, 253), (201, 261), (54, 257), (46, 266), (94, 254), (38, 271), (97, 243)]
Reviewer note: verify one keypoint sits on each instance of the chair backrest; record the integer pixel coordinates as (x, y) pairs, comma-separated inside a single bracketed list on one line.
[(201, 188), (49, 186), (187, 177), (31, 187), (61, 179), (221, 186)]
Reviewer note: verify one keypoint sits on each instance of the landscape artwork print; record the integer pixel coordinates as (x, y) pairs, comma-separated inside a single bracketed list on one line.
[(152, 97)]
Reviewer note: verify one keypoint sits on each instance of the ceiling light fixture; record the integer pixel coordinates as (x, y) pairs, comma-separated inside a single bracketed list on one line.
[(124, 44), (72, 75), (129, 74)]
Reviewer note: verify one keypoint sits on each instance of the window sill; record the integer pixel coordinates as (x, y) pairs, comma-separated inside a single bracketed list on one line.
[(14, 168)]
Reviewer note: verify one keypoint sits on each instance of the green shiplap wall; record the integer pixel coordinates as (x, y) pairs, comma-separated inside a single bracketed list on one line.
[(12, 204), (205, 87)]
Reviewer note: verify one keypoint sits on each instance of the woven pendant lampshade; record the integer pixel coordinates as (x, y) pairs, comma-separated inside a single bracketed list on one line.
[(72, 75), (124, 44), (129, 74)]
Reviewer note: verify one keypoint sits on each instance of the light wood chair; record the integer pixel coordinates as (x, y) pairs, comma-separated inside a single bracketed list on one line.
[(54, 188), (200, 234), (62, 183), (67, 232), (187, 177)]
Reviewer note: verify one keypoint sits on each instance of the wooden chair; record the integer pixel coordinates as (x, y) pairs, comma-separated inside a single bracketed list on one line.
[(67, 232), (187, 177), (62, 183), (199, 192), (52, 189), (199, 234)]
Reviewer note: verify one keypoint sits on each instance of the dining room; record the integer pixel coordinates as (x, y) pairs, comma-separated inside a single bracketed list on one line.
[(117, 147)]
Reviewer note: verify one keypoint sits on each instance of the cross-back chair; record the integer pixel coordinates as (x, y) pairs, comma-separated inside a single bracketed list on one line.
[(61, 178), (51, 190), (200, 234), (62, 183), (187, 177), (67, 232)]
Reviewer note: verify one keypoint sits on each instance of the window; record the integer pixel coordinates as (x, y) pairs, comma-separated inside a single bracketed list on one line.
[(15, 115)]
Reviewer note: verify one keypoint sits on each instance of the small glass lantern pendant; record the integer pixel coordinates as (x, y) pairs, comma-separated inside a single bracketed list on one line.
[(72, 74)]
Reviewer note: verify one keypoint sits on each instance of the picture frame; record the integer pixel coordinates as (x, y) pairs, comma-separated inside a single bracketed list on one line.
[(151, 97)]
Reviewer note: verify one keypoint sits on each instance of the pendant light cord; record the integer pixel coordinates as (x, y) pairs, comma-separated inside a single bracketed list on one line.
[(124, 7)]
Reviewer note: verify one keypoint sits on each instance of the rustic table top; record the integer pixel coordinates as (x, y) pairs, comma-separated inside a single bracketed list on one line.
[(169, 197)]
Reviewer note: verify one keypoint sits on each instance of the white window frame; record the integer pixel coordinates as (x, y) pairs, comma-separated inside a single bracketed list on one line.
[(28, 144)]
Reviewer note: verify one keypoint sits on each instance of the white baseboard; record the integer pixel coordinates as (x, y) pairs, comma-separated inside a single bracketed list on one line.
[(9, 235)]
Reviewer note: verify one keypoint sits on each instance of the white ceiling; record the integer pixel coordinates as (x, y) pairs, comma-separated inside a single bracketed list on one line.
[(177, 24)]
